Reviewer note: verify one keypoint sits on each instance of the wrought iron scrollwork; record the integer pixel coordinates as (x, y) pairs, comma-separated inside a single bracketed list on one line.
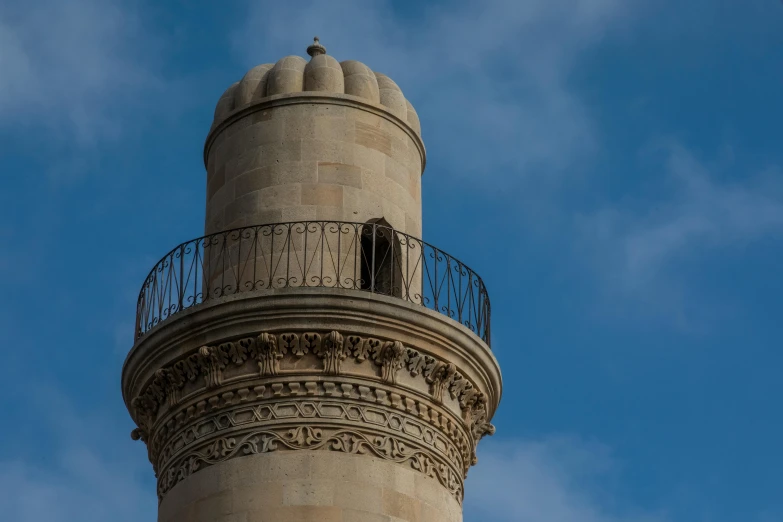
[(361, 256)]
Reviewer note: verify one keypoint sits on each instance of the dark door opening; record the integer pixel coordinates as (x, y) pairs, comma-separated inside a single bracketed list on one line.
[(381, 271)]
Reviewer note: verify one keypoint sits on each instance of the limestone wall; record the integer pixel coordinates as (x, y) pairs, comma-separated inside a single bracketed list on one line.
[(307, 156), (298, 404), (306, 399), (317, 487)]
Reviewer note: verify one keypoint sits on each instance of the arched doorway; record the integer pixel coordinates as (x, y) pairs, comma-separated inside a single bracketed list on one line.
[(381, 268)]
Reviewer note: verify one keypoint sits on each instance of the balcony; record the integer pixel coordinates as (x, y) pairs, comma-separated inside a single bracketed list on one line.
[(367, 257)]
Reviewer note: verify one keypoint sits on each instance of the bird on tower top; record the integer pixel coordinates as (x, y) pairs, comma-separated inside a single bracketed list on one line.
[(316, 48)]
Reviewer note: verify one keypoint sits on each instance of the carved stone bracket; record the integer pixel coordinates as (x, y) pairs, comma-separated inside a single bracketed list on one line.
[(332, 351), (269, 354), (268, 349), (439, 375), (212, 361), (171, 382), (391, 358)]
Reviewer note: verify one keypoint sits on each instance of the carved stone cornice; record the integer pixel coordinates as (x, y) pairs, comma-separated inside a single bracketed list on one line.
[(297, 310), (369, 374), (390, 356), (178, 441), (331, 351), (186, 421)]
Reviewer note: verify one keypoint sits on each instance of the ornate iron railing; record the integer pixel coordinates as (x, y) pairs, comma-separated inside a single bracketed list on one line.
[(360, 256)]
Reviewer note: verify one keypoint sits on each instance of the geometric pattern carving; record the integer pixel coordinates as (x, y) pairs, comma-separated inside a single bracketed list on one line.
[(279, 401), (446, 453), (376, 430), (314, 438)]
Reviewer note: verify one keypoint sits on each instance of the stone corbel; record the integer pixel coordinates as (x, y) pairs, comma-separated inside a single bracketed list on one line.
[(391, 359), (332, 351), (439, 375), (212, 362), (479, 424), (269, 354), (172, 383)]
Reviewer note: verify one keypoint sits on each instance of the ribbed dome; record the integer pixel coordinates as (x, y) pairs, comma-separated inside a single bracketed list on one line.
[(323, 74)]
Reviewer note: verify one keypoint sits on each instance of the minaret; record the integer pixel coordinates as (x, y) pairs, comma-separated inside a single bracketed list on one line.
[(310, 358)]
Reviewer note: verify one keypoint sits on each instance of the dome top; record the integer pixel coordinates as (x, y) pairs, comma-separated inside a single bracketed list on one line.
[(323, 74), (316, 48)]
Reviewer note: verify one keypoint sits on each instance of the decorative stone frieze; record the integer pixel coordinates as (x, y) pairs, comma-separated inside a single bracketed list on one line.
[(251, 427), (310, 342), (296, 370), (332, 351), (391, 358), (378, 397), (269, 354), (179, 443)]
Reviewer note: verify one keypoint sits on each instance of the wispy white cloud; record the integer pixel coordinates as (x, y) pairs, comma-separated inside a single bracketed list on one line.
[(554, 479), (81, 472), (490, 79), (71, 66), (637, 248), (493, 84)]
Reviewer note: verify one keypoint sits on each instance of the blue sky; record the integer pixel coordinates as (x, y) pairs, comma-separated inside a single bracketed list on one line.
[(612, 169)]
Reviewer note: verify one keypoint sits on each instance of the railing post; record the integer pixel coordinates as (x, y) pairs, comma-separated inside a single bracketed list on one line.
[(196, 272), (181, 285), (391, 262), (156, 298), (372, 264), (357, 258), (436, 287)]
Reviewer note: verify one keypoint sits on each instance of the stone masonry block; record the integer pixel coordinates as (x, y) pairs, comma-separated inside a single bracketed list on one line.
[(301, 514), (334, 466), (242, 207), (393, 214), (299, 213), (341, 129), (401, 506), (359, 496), (214, 506), (297, 172), (253, 180), (327, 150), (396, 171), (257, 218), (281, 196), (309, 493), (340, 174), (279, 152), (359, 515), (299, 126), (373, 138), (215, 181), (322, 195), (257, 495), (329, 213), (369, 159)]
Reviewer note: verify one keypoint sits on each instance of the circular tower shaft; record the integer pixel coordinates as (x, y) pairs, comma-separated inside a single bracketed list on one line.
[(304, 141), (312, 404)]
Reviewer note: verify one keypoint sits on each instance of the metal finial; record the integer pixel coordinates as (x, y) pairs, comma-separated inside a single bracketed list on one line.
[(316, 48)]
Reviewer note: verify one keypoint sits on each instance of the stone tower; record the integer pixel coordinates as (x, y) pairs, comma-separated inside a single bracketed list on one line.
[(309, 358)]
